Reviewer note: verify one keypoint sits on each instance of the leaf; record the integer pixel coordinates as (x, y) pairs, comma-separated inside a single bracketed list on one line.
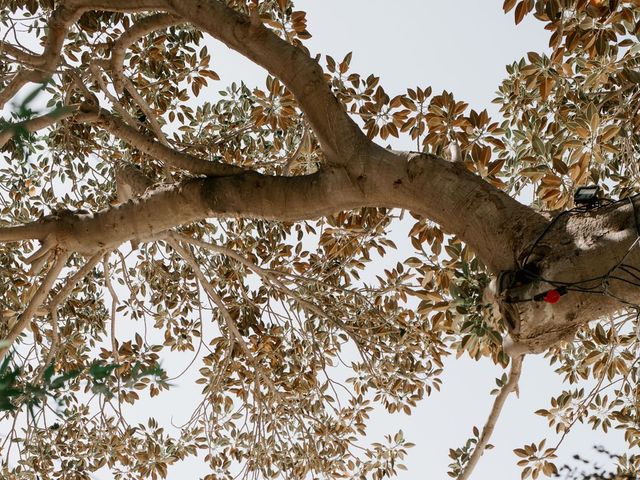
[(538, 145), (508, 5), (99, 371), (610, 132), (209, 74), (521, 11)]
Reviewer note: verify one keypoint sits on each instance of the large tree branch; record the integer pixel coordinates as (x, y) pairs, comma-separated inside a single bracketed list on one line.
[(495, 226), (337, 133), (460, 201)]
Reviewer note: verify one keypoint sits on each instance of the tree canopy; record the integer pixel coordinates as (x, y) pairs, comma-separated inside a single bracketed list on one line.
[(244, 229)]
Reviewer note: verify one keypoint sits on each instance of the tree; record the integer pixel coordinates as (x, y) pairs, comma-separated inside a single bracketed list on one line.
[(252, 218)]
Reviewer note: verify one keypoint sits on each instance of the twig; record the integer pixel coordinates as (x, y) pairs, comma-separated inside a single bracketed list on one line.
[(507, 388), (294, 158), (271, 278), (114, 303), (231, 325), (97, 75)]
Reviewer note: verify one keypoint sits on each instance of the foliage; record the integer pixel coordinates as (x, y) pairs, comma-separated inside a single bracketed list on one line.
[(591, 470), (275, 404)]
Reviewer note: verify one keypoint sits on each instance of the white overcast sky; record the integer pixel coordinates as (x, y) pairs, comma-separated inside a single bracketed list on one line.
[(461, 46)]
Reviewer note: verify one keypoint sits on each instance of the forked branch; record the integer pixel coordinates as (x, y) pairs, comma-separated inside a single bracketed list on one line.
[(38, 298), (40, 67)]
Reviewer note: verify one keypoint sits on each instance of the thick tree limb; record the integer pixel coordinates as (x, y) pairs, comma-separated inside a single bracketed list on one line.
[(34, 230), (337, 133), (448, 194), (130, 182), (487, 431), (358, 174)]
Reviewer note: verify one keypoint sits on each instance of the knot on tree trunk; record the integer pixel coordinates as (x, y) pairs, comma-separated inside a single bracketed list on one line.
[(131, 182)]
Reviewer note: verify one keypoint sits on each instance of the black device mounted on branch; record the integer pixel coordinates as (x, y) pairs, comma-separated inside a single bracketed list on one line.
[(586, 196)]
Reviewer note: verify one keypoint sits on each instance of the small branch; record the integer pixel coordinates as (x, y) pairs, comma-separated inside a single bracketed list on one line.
[(97, 75), (231, 324), (21, 78), (38, 298), (146, 109), (157, 150), (35, 124), (22, 56), (507, 388), (73, 280), (137, 31), (151, 117), (60, 297), (307, 306), (55, 342), (114, 303), (294, 158)]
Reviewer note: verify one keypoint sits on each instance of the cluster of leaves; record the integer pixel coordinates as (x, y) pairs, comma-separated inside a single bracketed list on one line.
[(16, 392), (432, 121), (460, 456), (572, 115), (628, 467)]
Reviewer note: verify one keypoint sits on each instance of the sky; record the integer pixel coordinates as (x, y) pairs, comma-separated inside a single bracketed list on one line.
[(461, 46)]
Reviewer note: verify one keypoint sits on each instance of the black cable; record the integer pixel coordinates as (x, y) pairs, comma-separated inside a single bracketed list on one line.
[(542, 235), (602, 288)]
